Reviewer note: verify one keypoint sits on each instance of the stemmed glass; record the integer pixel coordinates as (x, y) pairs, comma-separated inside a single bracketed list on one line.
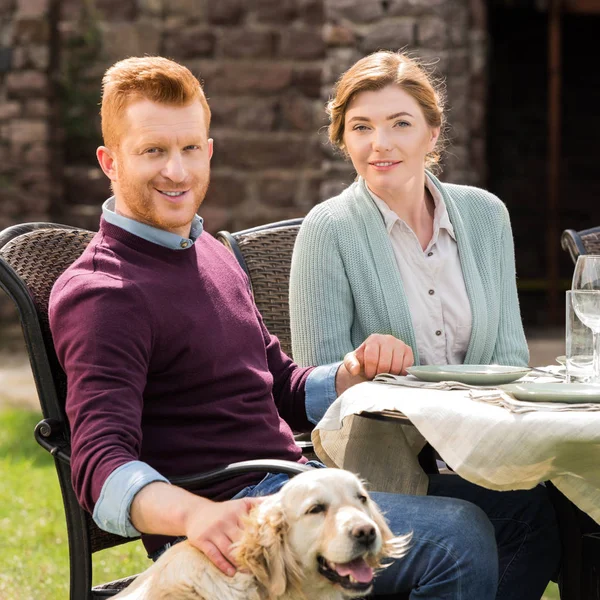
[(586, 301)]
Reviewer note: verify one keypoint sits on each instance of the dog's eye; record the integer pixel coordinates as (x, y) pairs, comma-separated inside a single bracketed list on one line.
[(316, 508), (362, 498)]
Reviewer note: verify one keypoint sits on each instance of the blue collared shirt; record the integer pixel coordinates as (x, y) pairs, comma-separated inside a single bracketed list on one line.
[(149, 233), (111, 511)]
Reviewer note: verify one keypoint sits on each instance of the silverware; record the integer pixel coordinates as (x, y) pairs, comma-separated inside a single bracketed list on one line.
[(548, 373)]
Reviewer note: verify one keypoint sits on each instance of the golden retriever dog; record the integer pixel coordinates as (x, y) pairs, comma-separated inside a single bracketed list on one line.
[(320, 537)]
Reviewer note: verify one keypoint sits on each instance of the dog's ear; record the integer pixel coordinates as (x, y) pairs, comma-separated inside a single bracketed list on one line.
[(263, 551), (393, 547)]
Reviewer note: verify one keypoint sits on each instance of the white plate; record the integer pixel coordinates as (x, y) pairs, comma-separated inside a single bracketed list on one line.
[(571, 393), (469, 374)]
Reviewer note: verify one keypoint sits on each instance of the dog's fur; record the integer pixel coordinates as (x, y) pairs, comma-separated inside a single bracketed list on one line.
[(299, 544)]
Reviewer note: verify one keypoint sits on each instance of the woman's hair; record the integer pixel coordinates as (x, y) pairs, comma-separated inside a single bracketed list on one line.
[(152, 78), (375, 72)]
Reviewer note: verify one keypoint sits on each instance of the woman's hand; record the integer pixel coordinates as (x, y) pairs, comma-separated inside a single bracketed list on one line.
[(379, 353)]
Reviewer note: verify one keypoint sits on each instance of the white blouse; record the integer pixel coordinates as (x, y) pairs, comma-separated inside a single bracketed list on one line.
[(433, 283)]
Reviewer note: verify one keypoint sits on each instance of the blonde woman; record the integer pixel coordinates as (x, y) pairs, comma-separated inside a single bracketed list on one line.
[(401, 253)]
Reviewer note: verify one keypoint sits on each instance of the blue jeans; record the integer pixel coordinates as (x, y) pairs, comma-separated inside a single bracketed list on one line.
[(526, 533), (454, 554)]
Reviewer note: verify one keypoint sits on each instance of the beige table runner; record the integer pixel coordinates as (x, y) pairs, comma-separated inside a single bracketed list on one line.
[(483, 442)]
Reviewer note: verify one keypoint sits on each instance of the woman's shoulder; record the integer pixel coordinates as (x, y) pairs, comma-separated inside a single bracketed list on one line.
[(468, 198), (336, 211)]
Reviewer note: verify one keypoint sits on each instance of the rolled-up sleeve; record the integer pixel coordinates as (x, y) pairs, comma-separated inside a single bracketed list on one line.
[(320, 391), (111, 512)]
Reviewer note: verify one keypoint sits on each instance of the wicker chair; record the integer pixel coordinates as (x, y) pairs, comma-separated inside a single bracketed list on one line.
[(586, 241), (32, 256), (265, 254)]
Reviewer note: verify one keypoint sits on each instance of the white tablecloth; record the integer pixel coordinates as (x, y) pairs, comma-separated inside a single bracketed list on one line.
[(483, 443)]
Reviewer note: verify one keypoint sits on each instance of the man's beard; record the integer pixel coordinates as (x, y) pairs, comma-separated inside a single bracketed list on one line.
[(138, 199)]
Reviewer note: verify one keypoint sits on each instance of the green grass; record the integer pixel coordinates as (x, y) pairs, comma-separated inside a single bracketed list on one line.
[(33, 535)]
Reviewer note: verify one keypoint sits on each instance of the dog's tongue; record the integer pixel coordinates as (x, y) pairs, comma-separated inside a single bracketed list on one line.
[(358, 568)]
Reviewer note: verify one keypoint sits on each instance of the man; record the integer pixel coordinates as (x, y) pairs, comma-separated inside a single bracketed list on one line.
[(171, 370)]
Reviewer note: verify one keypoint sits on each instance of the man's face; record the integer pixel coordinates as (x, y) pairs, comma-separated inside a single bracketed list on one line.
[(161, 169)]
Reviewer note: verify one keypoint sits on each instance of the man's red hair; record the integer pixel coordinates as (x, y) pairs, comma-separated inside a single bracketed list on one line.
[(152, 78)]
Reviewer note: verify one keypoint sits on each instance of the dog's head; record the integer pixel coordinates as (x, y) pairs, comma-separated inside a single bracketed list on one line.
[(321, 531)]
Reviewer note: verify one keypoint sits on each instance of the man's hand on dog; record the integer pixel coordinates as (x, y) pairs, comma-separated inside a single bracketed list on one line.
[(217, 528), (210, 526), (379, 353)]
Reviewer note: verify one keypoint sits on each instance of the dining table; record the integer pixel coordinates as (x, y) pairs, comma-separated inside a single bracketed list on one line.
[(483, 433)]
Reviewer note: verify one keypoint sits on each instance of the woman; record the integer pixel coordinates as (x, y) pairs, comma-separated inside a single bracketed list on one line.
[(401, 253)]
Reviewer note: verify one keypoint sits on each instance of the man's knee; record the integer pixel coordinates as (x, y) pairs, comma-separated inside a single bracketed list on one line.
[(457, 528), (453, 551), (469, 529)]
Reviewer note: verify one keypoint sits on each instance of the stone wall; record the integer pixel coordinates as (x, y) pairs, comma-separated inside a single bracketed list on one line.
[(262, 68), (26, 111), (28, 187), (450, 37), (267, 66), (261, 64)]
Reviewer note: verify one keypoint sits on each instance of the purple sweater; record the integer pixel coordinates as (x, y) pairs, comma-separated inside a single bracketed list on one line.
[(169, 362)]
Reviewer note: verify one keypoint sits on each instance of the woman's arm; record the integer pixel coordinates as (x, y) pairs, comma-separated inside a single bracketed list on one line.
[(321, 301)]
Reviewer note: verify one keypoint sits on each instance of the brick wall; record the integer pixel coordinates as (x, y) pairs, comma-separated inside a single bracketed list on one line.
[(26, 111), (451, 36), (262, 67), (267, 66)]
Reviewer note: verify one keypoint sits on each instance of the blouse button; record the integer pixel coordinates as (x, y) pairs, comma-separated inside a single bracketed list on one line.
[(184, 243), (438, 332), (430, 254), (431, 292)]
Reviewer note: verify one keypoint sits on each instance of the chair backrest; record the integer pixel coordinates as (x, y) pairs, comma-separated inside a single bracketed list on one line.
[(576, 243), (265, 254), (32, 257)]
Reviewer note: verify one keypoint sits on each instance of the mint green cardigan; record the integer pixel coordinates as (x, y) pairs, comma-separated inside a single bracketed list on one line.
[(345, 283)]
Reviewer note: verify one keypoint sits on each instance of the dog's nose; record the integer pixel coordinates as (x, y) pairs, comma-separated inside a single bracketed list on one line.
[(364, 534)]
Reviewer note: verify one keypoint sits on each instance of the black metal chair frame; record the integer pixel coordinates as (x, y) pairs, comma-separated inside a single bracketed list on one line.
[(52, 433)]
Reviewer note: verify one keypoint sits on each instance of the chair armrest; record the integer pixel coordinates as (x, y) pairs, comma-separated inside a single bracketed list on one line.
[(238, 468), (305, 445), (570, 241), (52, 435), (304, 441)]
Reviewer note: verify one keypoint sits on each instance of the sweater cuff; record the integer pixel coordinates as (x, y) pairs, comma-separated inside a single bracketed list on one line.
[(111, 512), (320, 391)]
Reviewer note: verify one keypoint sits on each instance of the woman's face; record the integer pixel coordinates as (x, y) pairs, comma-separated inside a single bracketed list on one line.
[(387, 138)]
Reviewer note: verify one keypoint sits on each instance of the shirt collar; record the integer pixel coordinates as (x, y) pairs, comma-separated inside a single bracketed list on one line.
[(149, 233), (441, 220)]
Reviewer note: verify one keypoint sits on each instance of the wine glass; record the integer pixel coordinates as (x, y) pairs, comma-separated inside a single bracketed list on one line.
[(586, 301)]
